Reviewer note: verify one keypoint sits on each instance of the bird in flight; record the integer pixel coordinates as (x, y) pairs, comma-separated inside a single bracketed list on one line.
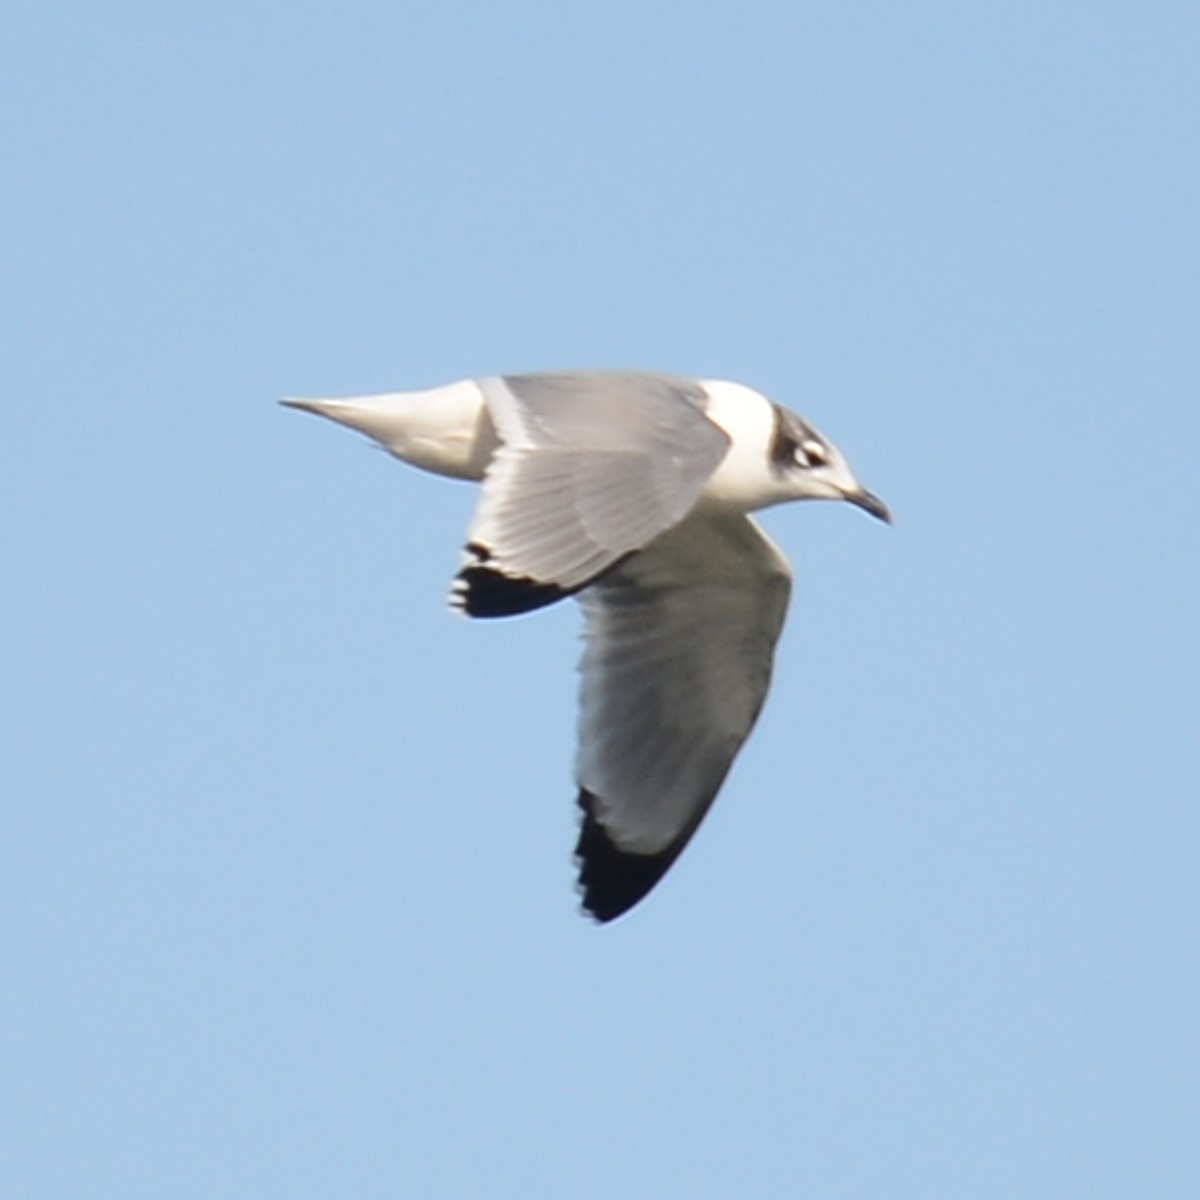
[(631, 491)]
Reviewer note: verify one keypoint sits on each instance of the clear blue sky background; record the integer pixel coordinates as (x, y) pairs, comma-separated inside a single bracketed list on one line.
[(286, 896)]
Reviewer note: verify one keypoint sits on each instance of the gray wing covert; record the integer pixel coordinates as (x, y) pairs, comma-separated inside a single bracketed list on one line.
[(592, 466)]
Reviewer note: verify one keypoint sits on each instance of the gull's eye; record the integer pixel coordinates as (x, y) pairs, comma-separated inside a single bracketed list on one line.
[(811, 454)]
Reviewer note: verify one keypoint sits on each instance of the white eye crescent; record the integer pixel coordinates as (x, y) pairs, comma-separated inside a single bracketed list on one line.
[(811, 454)]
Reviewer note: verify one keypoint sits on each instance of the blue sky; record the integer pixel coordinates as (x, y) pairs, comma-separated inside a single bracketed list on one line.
[(285, 883)]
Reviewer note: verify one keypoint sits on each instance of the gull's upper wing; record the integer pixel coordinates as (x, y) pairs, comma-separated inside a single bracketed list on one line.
[(592, 466), (680, 644)]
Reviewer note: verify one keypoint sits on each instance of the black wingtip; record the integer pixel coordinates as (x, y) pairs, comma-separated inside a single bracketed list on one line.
[(484, 591), (612, 880)]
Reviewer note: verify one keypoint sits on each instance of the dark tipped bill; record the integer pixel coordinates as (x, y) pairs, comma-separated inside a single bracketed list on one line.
[(869, 502)]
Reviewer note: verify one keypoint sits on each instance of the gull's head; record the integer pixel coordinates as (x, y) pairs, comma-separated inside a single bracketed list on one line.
[(775, 456), (808, 466)]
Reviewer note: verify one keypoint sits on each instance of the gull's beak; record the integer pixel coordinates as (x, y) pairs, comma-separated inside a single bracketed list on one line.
[(869, 502)]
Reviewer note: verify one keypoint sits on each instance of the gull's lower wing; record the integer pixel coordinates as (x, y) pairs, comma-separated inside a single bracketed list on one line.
[(680, 645)]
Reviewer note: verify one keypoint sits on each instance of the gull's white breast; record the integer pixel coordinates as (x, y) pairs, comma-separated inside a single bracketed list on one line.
[(743, 480)]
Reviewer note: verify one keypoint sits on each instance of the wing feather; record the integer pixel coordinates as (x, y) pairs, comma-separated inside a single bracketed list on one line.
[(680, 647), (591, 467)]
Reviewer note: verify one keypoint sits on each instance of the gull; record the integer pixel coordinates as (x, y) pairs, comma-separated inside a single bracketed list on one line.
[(631, 491)]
